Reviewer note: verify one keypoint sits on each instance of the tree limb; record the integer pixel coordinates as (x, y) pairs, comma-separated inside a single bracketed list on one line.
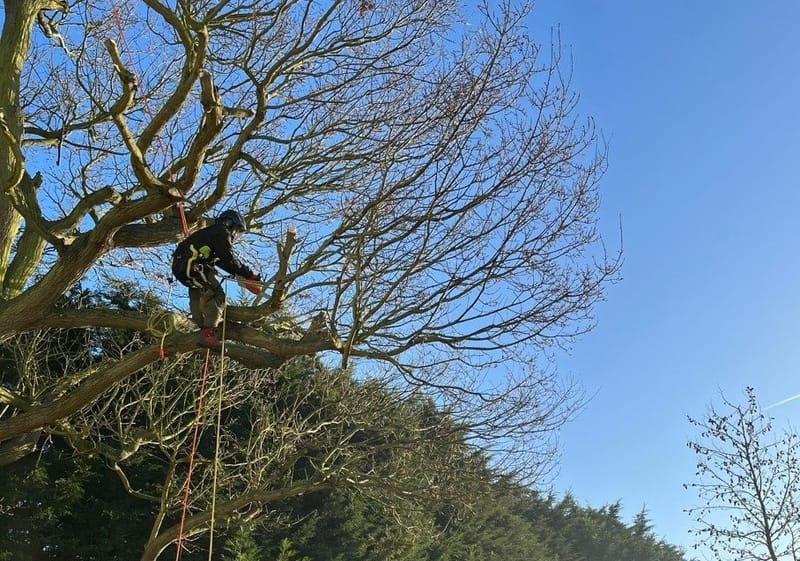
[(140, 168)]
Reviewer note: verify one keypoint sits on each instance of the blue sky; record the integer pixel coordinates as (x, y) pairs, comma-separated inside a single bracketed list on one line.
[(699, 103)]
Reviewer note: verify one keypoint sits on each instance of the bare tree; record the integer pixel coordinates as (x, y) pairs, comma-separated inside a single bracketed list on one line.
[(748, 478), (421, 192)]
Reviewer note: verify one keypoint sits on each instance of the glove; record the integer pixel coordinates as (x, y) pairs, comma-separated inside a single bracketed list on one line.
[(254, 288)]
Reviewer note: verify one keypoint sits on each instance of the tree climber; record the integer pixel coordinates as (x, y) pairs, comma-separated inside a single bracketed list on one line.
[(193, 265)]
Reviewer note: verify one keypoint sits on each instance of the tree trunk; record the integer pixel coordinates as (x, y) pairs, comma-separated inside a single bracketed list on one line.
[(20, 16)]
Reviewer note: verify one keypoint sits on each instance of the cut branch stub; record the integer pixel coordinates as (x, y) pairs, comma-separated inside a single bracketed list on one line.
[(127, 78)]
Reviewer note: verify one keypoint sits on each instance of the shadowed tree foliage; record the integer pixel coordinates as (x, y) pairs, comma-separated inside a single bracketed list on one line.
[(748, 479), (56, 505), (313, 464), (303, 430), (508, 524)]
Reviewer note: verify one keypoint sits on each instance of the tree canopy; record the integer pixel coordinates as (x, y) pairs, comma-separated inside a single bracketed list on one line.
[(420, 188)]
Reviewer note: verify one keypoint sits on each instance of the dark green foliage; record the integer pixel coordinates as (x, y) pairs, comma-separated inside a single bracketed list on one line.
[(495, 528), (575, 533), (59, 506), (66, 502), (339, 527), (242, 546), (507, 524)]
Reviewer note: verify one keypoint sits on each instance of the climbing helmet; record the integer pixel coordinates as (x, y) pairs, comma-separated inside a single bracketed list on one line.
[(233, 221)]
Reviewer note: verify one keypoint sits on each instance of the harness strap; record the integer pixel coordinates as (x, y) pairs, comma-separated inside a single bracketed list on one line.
[(193, 266)]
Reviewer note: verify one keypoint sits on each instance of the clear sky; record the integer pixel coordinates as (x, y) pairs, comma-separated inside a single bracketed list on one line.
[(699, 103)]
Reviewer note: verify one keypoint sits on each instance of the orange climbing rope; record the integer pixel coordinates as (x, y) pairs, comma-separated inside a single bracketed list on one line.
[(198, 416), (183, 219), (204, 377), (193, 449)]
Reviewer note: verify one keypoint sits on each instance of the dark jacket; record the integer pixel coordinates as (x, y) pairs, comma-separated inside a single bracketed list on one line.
[(201, 251)]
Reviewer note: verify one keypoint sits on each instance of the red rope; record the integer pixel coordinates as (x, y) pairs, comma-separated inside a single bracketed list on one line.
[(185, 226), (187, 485), (184, 223)]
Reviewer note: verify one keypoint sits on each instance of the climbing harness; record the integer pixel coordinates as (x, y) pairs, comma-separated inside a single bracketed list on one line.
[(192, 265)]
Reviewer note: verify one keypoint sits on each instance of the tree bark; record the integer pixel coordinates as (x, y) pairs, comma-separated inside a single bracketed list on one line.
[(19, 447), (20, 16)]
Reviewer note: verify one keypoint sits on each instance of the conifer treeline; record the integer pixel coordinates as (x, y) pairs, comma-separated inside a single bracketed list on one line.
[(67, 501)]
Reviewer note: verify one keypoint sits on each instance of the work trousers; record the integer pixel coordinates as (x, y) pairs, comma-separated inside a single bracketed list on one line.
[(207, 304)]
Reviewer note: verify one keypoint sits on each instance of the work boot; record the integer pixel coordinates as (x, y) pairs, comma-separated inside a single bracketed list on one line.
[(208, 337)]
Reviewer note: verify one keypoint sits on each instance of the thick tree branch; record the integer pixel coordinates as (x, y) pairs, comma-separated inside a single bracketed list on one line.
[(17, 166), (281, 278), (86, 205), (16, 401), (24, 198), (146, 177), (17, 448), (210, 125), (318, 337), (154, 234)]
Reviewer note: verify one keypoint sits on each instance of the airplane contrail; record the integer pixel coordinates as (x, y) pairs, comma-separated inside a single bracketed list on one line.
[(787, 400)]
